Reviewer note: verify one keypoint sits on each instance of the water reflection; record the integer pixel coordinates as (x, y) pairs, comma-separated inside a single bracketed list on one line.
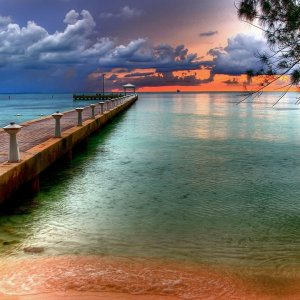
[(189, 177), (214, 116)]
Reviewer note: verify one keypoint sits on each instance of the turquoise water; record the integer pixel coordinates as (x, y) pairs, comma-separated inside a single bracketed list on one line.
[(185, 177), (23, 107)]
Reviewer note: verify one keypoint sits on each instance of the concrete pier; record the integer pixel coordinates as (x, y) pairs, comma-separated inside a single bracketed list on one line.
[(39, 148)]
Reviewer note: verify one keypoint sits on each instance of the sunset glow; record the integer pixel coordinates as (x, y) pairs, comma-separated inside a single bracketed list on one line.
[(202, 46)]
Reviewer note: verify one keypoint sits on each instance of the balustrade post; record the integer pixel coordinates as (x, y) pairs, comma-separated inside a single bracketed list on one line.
[(101, 107), (93, 110), (13, 153), (79, 111), (57, 116)]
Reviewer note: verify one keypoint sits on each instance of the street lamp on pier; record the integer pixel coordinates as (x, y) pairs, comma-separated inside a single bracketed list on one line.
[(103, 77)]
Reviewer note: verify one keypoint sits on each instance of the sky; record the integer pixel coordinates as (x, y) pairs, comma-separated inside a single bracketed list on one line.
[(158, 45)]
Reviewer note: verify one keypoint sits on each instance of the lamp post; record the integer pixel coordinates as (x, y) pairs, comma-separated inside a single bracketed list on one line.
[(103, 77)]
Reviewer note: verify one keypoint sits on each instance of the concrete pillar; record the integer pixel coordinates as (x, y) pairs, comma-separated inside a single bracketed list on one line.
[(92, 106), (108, 104), (13, 153), (57, 116), (79, 110), (101, 107)]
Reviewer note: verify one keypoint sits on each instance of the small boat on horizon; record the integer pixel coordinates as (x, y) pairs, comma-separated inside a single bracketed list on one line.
[(178, 91)]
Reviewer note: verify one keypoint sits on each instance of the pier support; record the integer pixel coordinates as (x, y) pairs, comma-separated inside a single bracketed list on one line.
[(57, 116), (14, 154), (79, 111)]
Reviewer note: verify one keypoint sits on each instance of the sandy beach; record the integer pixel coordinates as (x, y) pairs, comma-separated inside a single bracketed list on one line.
[(88, 296), (94, 277)]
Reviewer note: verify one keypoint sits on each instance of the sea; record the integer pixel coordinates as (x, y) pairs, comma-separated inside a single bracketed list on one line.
[(184, 195)]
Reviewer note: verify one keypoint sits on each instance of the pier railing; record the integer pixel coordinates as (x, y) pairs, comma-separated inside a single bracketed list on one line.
[(16, 138)]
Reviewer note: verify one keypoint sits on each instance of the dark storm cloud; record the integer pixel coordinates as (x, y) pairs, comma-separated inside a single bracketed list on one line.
[(139, 74), (63, 42), (208, 33), (32, 47), (239, 56), (140, 54), (165, 79)]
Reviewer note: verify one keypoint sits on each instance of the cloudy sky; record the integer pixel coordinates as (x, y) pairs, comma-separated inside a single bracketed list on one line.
[(159, 45)]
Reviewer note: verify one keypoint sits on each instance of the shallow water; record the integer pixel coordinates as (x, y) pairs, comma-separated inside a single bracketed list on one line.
[(24, 107), (183, 178)]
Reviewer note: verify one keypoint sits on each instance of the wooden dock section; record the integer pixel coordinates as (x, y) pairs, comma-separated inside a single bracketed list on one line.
[(39, 149)]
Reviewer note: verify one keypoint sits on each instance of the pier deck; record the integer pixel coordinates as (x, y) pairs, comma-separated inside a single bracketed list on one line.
[(39, 148), (35, 132)]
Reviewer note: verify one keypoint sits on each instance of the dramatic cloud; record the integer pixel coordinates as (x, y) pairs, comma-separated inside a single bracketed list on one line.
[(34, 45), (76, 51), (139, 74), (125, 12), (33, 58), (164, 79), (140, 54), (239, 56), (208, 33)]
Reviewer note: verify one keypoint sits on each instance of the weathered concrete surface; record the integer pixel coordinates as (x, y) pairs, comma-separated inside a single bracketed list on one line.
[(36, 159)]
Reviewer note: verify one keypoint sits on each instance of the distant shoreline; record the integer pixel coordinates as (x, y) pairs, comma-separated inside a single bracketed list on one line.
[(157, 92)]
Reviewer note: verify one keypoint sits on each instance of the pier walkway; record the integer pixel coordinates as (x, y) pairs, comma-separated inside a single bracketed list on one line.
[(35, 132), (39, 148)]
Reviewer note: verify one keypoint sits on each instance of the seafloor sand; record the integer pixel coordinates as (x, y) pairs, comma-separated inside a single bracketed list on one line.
[(88, 296), (93, 277)]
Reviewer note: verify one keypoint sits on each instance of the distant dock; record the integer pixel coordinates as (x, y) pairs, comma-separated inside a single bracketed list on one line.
[(42, 142), (96, 96)]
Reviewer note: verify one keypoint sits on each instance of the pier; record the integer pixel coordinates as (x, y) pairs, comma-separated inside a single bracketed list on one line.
[(96, 96), (42, 142)]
